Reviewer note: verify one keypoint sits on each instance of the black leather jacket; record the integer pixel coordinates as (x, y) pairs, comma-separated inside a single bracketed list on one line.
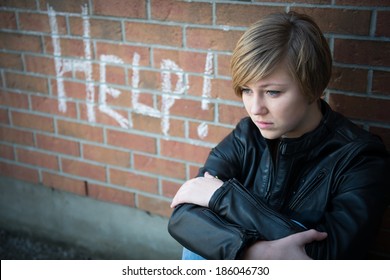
[(333, 179)]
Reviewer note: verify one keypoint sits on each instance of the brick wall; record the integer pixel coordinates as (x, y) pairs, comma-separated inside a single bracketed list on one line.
[(122, 100)]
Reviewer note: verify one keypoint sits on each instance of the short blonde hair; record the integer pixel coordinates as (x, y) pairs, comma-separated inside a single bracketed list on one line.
[(290, 37)]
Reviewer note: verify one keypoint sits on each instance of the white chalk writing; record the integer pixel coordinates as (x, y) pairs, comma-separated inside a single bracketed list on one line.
[(167, 67)]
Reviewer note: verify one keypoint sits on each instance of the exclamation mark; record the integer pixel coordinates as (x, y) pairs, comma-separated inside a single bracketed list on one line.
[(206, 93)]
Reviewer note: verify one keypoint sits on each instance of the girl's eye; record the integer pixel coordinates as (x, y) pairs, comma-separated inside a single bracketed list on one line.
[(273, 92), (246, 91)]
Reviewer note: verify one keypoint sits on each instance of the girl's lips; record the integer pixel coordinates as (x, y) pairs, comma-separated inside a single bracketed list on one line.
[(264, 125)]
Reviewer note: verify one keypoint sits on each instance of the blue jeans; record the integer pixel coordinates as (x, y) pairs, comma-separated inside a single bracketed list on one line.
[(189, 255)]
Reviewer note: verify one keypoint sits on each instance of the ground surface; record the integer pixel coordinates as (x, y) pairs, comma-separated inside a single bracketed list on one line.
[(21, 246)]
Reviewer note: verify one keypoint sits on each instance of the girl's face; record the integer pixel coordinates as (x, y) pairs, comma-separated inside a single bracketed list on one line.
[(278, 107)]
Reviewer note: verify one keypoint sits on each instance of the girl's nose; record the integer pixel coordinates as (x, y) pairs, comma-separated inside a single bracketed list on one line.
[(258, 106)]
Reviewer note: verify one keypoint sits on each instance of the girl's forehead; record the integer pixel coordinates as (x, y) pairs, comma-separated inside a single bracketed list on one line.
[(280, 76)]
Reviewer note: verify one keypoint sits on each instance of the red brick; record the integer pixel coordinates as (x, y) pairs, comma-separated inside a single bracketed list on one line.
[(155, 205), (7, 152), (11, 99), (81, 131), (73, 6), (26, 82), (192, 12), (50, 105), (169, 189), (192, 109), (184, 151), (380, 82), (215, 132), (124, 52), (147, 99), (8, 20), (95, 73), (133, 181), (153, 34), (146, 123), (373, 3), (189, 61), (16, 136), (363, 108), (24, 4), (4, 118), (194, 170), (224, 89), (40, 65), (215, 39), (99, 28), (10, 41), (37, 158), (69, 47), (83, 169), (115, 75), (176, 128), (373, 53), (383, 23), (12, 61), (153, 125), (40, 23), (220, 89), (106, 155), (58, 145), (148, 80), (159, 166), (72, 89), (224, 65), (64, 183), (120, 8), (19, 172), (112, 195), (243, 15), (101, 117), (131, 141), (32, 121), (123, 100), (340, 21), (350, 79), (229, 114)]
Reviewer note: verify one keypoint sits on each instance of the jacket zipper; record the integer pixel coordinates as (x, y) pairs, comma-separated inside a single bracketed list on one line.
[(274, 166), (308, 189)]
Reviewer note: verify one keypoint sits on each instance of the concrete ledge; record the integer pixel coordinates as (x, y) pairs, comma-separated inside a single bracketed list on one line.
[(109, 230)]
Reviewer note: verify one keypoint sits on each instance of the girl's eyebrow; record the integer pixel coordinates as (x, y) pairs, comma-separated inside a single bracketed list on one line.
[(271, 84), (266, 85)]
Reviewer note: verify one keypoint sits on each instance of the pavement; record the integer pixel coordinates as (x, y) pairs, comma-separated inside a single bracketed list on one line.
[(23, 246)]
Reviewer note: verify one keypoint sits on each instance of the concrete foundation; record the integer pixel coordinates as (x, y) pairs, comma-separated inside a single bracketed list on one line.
[(107, 230)]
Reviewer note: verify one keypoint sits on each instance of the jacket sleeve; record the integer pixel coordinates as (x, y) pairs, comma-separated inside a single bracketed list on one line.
[(205, 233), (234, 203), (210, 232), (240, 220)]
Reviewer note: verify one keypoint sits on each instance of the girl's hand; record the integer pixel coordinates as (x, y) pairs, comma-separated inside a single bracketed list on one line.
[(291, 247), (197, 191)]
